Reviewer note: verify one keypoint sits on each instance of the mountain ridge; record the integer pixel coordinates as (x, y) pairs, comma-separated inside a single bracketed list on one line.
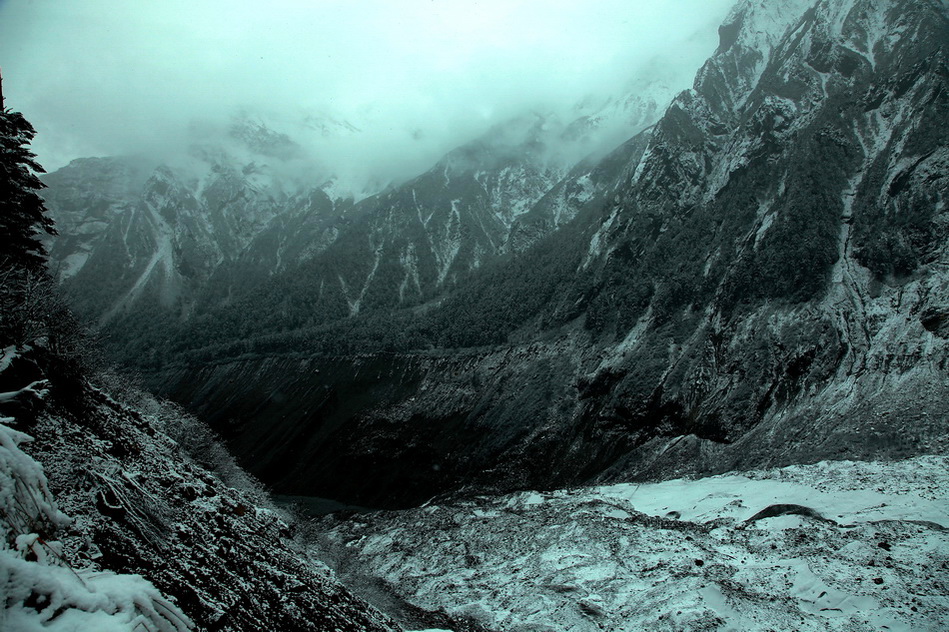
[(720, 296)]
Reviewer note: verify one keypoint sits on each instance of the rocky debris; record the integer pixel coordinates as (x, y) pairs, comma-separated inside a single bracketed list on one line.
[(605, 558), (140, 506)]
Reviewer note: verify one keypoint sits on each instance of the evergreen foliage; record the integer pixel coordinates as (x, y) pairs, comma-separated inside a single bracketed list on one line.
[(33, 316), (23, 214)]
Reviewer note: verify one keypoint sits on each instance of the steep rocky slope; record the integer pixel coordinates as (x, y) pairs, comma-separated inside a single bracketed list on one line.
[(42, 592), (759, 279), (107, 523)]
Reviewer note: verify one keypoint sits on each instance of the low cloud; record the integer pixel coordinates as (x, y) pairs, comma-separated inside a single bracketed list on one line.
[(414, 77)]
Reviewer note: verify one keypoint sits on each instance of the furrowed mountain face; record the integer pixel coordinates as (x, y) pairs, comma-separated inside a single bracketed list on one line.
[(411, 243), (758, 279), (141, 237), (236, 237), (770, 332)]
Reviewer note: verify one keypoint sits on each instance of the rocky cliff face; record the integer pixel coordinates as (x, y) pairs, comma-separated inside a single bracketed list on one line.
[(758, 279), (770, 321)]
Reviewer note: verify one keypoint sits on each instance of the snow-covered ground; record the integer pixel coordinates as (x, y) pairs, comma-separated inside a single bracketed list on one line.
[(39, 589), (832, 546)]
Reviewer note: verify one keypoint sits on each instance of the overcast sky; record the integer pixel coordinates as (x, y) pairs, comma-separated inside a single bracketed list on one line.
[(99, 77)]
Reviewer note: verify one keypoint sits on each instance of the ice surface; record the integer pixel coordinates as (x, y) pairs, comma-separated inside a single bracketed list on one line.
[(843, 545)]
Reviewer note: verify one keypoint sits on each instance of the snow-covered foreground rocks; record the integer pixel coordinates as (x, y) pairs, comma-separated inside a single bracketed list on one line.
[(831, 546), (40, 590), (109, 523)]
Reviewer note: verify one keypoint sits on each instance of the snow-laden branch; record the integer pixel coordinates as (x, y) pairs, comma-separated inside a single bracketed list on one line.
[(7, 356), (35, 390)]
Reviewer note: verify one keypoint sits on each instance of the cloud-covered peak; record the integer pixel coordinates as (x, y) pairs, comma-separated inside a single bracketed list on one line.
[(377, 89)]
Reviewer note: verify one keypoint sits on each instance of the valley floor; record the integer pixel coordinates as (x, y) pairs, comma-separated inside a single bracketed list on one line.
[(833, 546)]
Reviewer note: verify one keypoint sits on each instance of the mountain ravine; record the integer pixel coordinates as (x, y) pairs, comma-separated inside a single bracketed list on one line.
[(760, 278)]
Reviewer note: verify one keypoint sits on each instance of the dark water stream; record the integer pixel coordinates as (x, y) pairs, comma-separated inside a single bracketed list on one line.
[(312, 506)]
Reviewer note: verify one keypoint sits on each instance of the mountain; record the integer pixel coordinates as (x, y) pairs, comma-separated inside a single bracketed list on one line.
[(248, 221), (413, 242), (756, 280)]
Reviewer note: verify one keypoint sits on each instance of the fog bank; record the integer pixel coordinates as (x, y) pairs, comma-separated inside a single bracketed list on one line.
[(380, 87)]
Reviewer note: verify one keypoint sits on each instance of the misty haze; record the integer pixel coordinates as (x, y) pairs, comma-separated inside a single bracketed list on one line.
[(377, 91), (474, 316)]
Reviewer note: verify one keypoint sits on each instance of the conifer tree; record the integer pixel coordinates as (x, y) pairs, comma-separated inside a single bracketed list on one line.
[(23, 214)]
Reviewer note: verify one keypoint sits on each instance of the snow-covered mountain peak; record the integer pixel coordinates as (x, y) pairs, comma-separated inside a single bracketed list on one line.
[(759, 24), (261, 139), (329, 125)]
